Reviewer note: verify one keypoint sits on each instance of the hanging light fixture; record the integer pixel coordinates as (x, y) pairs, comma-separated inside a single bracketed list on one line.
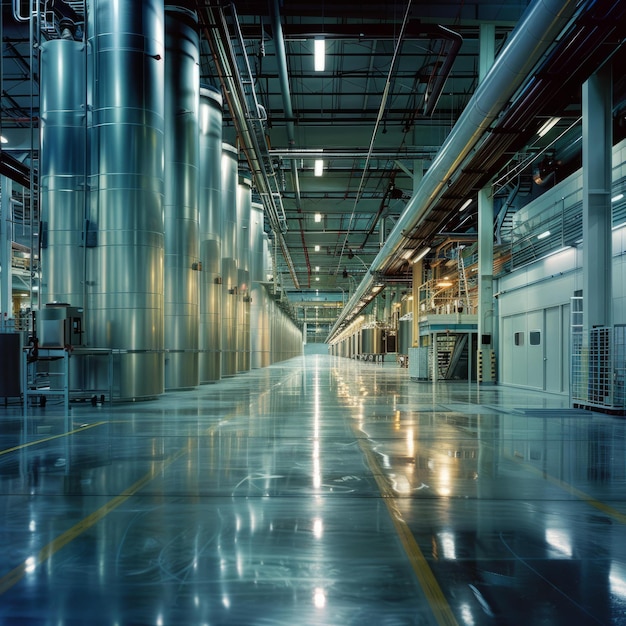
[(547, 126), (320, 54), (465, 204), (420, 255)]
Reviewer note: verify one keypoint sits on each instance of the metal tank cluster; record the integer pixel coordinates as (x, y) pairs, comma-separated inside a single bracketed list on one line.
[(146, 223), (385, 328)]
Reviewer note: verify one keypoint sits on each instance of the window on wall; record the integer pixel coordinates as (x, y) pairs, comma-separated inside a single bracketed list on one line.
[(535, 337), (519, 338)]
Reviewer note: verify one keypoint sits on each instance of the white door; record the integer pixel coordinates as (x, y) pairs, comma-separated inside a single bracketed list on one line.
[(553, 364)]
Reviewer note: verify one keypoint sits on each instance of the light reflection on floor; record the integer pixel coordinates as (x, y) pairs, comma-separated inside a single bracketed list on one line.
[(265, 499)]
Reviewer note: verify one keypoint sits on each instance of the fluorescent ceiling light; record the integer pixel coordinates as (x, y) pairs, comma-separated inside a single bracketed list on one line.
[(553, 121), (319, 167), (421, 254), (3, 139), (465, 204), (318, 217), (544, 234), (320, 54), (617, 198)]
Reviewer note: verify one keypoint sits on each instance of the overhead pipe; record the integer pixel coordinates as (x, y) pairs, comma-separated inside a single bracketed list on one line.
[(529, 42), (14, 169), (216, 34), (446, 68), (283, 77)]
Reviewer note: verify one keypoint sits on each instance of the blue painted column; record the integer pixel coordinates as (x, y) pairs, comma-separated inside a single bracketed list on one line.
[(597, 177)]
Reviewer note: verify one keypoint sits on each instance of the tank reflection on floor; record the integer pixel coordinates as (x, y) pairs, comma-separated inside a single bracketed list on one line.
[(317, 491)]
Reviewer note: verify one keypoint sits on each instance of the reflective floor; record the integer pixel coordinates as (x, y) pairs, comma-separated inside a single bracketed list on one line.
[(317, 491)]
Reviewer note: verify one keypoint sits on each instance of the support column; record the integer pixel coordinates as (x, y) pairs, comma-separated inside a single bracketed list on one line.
[(6, 238), (418, 173), (485, 282), (597, 178), (417, 282), (487, 52)]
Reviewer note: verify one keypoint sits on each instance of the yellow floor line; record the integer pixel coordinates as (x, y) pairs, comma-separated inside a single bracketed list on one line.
[(574, 491), (38, 441), (16, 574), (436, 599)]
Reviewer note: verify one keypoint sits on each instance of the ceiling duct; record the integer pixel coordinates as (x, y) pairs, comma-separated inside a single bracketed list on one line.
[(529, 42)]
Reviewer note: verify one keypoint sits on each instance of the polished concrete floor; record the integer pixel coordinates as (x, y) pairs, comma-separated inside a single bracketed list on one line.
[(317, 491)]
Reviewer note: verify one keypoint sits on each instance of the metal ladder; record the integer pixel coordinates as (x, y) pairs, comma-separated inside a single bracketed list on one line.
[(463, 287)]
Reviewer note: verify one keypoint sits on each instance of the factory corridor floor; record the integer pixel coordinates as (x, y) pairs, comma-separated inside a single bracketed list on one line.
[(320, 490)]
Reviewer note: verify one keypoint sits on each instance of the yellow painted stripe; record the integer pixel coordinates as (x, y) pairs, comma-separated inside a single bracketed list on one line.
[(434, 595), (574, 491), (601, 506), (38, 441), (16, 574)]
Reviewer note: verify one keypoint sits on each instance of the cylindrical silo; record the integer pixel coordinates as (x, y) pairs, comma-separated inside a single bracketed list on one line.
[(62, 173), (405, 333), (210, 340), (125, 266), (244, 207), (229, 259), (182, 256), (257, 244), (257, 304), (367, 339)]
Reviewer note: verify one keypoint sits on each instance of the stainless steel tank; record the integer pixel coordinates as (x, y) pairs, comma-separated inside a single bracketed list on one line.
[(405, 333), (62, 173), (229, 259), (181, 145), (125, 268), (210, 335), (367, 340), (259, 326), (258, 331), (244, 208)]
